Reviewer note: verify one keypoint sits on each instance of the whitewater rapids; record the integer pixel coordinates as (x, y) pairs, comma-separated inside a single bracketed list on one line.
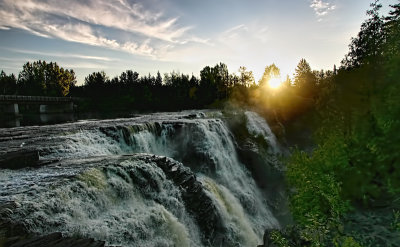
[(165, 179)]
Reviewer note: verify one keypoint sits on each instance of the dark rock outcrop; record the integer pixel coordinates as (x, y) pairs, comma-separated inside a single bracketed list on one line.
[(197, 202), (19, 159), (257, 154)]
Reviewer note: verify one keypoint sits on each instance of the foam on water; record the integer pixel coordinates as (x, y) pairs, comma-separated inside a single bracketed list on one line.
[(83, 143), (257, 126), (106, 203), (240, 229)]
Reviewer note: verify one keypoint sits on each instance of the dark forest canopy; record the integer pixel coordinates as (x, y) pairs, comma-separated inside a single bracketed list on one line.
[(132, 92)]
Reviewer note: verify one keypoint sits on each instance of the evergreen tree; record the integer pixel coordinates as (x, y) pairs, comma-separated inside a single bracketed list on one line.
[(246, 78), (8, 83), (304, 79), (369, 42)]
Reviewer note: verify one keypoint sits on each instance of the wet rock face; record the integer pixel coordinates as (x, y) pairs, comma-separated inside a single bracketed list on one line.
[(197, 202), (19, 159), (256, 152), (199, 205)]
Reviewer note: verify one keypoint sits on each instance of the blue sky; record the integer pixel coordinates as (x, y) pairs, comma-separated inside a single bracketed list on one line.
[(181, 35)]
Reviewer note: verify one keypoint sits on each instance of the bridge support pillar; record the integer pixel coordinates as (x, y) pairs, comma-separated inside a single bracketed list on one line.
[(67, 107), (43, 109), (70, 107), (11, 109)]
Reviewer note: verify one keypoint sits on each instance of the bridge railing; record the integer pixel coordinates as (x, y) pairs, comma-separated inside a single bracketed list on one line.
[(19, 98)]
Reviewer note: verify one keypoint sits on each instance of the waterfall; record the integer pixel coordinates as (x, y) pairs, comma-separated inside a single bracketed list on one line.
[(104, 202), (136, 201), (257, 126)]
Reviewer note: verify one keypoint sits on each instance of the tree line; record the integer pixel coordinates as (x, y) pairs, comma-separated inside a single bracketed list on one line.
[(172, 91)]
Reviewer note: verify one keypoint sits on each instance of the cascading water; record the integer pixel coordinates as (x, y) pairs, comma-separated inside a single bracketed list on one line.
[(257, 126), (128, 202), (203, 196)]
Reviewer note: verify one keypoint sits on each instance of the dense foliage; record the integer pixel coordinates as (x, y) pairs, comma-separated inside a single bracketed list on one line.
[(354, 168), (39, 78)]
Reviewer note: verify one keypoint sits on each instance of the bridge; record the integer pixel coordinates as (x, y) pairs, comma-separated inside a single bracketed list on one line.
[(12, 104)]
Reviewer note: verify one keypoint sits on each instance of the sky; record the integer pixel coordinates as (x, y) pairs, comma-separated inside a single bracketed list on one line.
[(177, 35)]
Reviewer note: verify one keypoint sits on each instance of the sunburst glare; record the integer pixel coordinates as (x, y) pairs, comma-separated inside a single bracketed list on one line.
[(275, 82)]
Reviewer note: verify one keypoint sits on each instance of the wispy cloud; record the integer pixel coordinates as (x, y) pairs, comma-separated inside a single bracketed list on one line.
[(85, 65), (245, 34), (86, 22), (321, 8), (54, 54), (10, 59)]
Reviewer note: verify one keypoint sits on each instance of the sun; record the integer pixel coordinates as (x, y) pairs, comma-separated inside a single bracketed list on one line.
[(275, 82)]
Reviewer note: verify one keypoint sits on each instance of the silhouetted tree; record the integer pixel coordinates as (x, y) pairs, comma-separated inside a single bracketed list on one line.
[(132, 78), (194, 86), (95, 84), (214, 83), (158, 81), (392, 31), (222, 80), (369, 42), (208, 87), (246, 78), (8, 83), (304, 79), (270, 71)]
